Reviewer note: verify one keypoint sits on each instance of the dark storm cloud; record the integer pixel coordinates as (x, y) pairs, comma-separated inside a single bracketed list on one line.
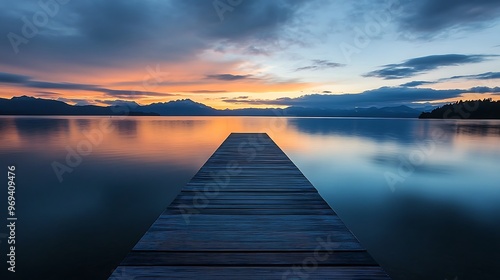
[(385, 96), (117, 32), (320, 64), (429, 17), (27, 82), (227, 77), (419, 65)]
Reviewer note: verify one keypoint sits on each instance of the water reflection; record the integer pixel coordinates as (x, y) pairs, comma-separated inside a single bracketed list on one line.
[(83, 124), (441, 221), (125, 128), (401, 130), (393, 161), (40, 127), (480, 128)]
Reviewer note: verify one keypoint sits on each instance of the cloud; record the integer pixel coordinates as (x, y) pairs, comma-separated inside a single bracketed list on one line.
[(122, 33), (131, 93), (482, 76), (76, 101), (253, 50), (484, 90), (228, 77), (12, 78), (28, 82), (381, 97), (416, 83), (118, 102), (419, 65), (320, 64), (206, 91), (51, 85), (48, 94), (432, 17)]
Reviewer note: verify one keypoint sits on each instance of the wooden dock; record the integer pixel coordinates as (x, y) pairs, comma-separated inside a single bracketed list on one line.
[(249, 213)]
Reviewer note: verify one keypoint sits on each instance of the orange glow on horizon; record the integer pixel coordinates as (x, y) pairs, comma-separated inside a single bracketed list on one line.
[(162, 83), (178, 135)]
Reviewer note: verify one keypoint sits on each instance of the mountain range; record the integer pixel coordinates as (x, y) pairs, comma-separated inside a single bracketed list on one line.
[(25, 105)]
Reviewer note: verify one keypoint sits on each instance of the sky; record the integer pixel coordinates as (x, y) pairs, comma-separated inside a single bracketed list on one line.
[(251, 53)]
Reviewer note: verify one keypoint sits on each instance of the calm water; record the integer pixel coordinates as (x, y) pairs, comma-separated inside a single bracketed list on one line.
[(423, 196)]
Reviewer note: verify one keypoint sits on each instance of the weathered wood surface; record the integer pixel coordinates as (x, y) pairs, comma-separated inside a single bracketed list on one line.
[(249, 213)]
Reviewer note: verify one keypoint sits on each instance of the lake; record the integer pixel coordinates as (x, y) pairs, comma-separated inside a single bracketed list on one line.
[(423, 196)]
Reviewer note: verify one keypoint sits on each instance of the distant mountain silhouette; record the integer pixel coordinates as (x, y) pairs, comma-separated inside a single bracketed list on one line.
[(25, 105), (183, 107), (386, 112), (470, 109)]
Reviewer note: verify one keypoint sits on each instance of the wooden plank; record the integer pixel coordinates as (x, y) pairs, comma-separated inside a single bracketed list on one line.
[(277, 212), (249, 213), (249, 273), (262, 258)]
